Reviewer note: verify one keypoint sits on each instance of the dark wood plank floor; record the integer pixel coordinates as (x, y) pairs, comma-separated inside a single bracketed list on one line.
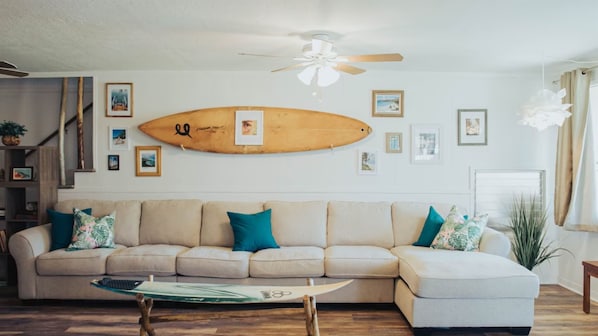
[(558, 313)]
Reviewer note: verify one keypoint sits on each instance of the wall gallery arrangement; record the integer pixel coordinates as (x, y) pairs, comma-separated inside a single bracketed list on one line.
[(249, 129)]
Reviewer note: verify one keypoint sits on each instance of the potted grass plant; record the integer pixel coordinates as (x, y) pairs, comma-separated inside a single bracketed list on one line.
[(528, 222), (11, 132)]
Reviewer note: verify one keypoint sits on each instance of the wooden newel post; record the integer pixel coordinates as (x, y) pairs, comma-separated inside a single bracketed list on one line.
[(62, 118), (80, 140)]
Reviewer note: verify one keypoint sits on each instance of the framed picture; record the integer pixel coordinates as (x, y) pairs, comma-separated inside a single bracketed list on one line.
[(31, 206), (119, 100), (119, 138), (22, 174), (113, 162), (394, 142), (473, 128), (387, 103), (425, 143), (368, 162), (249, 128), (148, 160)]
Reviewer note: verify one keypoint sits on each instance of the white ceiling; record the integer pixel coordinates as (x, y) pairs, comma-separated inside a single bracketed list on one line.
[(503, 36)]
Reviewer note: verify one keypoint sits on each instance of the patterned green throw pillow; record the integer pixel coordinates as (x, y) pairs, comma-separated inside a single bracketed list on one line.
[(459, 233), (90, 232)]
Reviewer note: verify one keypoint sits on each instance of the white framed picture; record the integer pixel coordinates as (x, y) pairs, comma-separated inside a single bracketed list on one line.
[(119, 138), (426, 145), (368, 162), (249, 128)]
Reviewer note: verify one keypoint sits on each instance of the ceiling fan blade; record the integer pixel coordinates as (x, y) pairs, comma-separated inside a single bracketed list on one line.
[(5, 64), (348, 69), (373, 58), (16, 73), (260, 55), (291, 67)]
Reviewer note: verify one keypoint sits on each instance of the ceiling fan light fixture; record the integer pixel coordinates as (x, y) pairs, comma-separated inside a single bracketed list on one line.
[(327, 76), (307, 75)]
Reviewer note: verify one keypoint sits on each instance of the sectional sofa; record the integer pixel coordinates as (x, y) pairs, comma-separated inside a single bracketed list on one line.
[(191, 240)]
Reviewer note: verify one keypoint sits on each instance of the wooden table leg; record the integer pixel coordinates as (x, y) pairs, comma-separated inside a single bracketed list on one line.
[(145, 308), (311, 313), (586, 289)]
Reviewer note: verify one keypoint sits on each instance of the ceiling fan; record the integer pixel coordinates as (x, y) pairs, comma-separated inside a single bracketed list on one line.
[(10, 69), (322, 62)]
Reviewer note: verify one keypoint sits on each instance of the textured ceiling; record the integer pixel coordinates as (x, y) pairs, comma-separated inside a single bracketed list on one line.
[(503, 36)]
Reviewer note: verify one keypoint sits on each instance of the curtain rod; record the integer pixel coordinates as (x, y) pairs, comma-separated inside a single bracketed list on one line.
[(583, 70)]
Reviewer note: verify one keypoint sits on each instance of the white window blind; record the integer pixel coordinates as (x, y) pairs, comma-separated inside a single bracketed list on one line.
[(495, 190)]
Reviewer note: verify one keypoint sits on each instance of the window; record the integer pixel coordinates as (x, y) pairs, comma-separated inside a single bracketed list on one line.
[(495, 190)]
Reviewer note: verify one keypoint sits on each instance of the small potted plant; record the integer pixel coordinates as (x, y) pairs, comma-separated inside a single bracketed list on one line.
[(11, 132)]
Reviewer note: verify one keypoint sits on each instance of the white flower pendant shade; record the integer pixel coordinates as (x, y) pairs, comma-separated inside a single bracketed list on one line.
[(545, 109)]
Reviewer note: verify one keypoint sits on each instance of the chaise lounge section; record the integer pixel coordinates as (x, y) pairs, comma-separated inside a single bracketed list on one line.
[(192, 240)]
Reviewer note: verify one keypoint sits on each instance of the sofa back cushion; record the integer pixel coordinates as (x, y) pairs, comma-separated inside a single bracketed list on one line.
[(360, 223), (408, 219), (215, 227), (126, 221), (173, 222), (299, 223)]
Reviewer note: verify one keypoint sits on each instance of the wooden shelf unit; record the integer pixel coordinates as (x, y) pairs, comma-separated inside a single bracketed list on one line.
[(42, 189)]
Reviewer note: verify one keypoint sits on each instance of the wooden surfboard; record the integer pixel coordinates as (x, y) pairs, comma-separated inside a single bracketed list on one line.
[(214, 293), (274, 130)]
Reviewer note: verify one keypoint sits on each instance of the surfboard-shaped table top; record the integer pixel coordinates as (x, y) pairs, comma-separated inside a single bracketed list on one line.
[(214, 293), (256, 130)]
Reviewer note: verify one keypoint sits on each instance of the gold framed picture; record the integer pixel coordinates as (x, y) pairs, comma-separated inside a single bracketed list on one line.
[(148, 161), (394, 142), (119, 100), (388, 103)]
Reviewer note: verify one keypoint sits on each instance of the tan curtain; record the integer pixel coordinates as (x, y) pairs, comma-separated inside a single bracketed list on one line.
[(571, 142)]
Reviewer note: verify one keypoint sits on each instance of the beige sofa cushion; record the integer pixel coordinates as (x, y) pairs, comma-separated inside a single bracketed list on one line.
[(288, 262), (360, 223), (214, 262), (448, 274), (80, 262), (175, 222), (159, 260), (215, 227), (408, 219), (299, 223), (126, 222), (360, 262)]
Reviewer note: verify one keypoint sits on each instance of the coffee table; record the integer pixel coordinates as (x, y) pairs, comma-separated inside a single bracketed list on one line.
[(146, 291)]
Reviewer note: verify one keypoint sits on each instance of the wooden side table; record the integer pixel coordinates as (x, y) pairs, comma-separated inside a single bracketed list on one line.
[(590, 268)]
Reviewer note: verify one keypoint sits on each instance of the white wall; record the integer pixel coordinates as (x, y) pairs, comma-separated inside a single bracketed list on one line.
[(326, 174), (429, 98)]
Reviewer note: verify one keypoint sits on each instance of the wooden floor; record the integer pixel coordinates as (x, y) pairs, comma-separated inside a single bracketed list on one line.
[(558, 313)]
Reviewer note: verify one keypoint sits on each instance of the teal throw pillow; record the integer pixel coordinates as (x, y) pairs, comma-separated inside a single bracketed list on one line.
[(253, 232), (90, 232), (431, 227), (460, 233), (61, 231)]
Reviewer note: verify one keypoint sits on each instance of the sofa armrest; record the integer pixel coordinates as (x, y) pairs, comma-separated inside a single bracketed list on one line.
[(495, 242), (25, 246)]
